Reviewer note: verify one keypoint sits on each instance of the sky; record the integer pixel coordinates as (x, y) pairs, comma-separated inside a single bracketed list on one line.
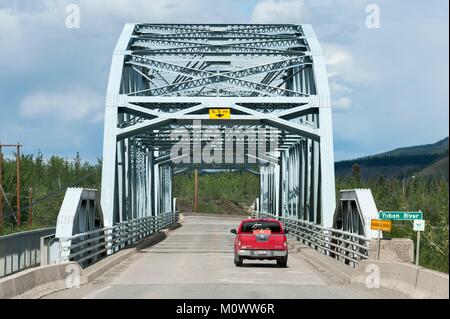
[(389, 85)]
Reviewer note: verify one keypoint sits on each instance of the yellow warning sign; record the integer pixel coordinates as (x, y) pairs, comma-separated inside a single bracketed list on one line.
[(383, 225), (219, 114)]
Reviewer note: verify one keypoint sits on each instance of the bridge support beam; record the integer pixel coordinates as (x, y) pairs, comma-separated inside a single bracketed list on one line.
[(327, 181)]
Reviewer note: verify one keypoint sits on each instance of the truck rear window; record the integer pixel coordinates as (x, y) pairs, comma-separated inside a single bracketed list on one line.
[(249, 227)]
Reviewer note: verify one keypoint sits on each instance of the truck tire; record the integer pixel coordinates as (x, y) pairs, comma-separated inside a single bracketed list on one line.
[(238, 261), (282, 262)]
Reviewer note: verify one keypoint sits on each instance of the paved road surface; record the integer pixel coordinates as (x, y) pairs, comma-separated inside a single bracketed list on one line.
[(196, 261)]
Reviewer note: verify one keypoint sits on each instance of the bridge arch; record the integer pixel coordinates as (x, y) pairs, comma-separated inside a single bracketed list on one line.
[(165, 78)]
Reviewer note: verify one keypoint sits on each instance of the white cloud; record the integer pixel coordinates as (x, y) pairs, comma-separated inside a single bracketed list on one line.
[(336, 55), (381, 75), (11, 35), (339, 63), (281, 11), (343, 103), (73, 104), (133, 9), (8, 22), (339, 87)]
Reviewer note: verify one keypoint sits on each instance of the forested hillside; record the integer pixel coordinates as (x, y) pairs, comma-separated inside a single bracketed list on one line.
[(224, 193), (401, 162), (46, 181)]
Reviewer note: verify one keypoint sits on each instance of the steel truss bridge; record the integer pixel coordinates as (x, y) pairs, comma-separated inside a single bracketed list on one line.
[(165, 79)]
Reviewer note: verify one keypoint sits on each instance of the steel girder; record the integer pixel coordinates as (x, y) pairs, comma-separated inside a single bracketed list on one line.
[(159, 43), (242, 29), (163, 80), (207, 78)]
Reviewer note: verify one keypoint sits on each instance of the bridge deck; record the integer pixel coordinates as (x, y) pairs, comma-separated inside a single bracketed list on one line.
[(196, 261)]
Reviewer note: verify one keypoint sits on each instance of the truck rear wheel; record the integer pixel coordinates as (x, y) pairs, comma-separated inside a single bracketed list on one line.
[(238, 261), (282, 262)]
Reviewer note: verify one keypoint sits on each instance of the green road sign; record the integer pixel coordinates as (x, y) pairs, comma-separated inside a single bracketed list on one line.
[(401, 215)]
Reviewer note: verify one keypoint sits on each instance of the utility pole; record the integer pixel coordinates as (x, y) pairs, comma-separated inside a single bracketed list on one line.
[(196, 191), (17, 146), (18, 182)]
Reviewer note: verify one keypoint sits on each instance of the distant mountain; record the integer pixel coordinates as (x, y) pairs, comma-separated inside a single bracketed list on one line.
[(440, 147), (436, 168), (425, 160)]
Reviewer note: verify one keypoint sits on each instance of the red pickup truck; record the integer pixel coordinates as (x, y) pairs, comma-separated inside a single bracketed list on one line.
[(260, 238)]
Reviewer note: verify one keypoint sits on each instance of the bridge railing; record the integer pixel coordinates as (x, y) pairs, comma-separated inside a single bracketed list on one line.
[(87, 248), (21, 250), (347, 247)]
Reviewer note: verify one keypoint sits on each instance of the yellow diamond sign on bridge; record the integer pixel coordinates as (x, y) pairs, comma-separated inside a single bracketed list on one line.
[(219, 114)]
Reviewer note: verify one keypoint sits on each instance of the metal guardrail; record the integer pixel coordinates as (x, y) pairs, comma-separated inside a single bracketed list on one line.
[(21, 250), (347, 247), (87, 248)]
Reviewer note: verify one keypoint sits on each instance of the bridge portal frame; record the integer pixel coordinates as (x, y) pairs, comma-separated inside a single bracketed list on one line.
[(136, 177)]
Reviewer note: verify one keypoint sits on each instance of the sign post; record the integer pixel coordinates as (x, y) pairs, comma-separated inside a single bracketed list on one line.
[(379, 245), (380, 225), (418, 226), (417, 248)]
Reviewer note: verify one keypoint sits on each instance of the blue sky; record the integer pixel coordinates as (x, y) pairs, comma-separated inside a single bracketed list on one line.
[(389, 85)]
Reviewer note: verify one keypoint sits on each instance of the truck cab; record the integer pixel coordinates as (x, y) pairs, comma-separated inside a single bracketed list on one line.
[(260, 239)]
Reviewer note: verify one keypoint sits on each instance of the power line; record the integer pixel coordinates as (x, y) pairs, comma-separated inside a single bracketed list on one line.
[(11, 212), (58, 191), (48, 196), (14, 195)]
